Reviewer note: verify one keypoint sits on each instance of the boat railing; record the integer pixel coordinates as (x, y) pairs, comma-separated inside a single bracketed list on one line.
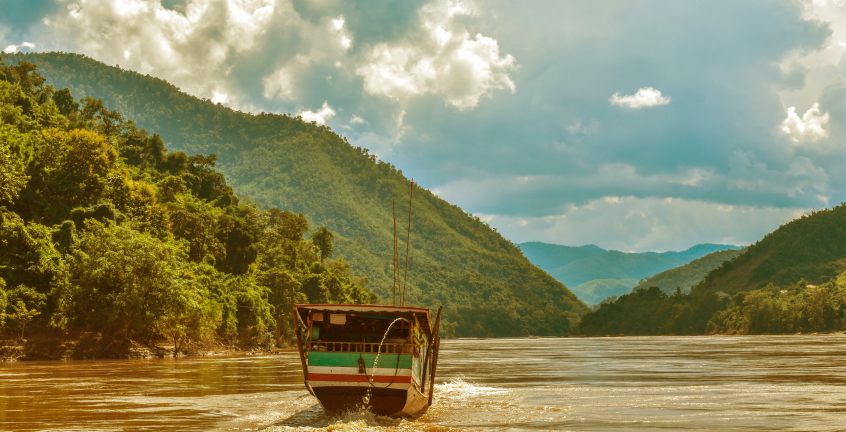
[(360, 347)]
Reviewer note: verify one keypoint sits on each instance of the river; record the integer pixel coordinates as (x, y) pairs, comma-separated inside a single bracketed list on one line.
[(592, 384)]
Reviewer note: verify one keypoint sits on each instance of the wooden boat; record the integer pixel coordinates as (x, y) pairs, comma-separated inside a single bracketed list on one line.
[(381, 358)]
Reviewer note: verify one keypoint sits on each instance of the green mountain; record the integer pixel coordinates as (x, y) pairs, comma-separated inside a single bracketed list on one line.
[(689, 275), (488, 288), (811, 248), (107, 239), (594, 273), (792, 280)]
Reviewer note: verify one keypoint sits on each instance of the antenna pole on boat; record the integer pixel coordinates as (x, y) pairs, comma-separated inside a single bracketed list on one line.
[(396, 254), (407, 243)]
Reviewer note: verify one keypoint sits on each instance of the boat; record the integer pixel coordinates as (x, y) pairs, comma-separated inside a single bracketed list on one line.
[(382, 358)]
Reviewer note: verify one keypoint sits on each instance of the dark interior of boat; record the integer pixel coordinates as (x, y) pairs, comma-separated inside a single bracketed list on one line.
[(359, 332)]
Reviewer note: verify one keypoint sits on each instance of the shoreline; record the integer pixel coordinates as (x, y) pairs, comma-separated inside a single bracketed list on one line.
[(38, 349)]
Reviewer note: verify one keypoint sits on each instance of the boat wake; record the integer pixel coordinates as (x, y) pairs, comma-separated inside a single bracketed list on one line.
[(449, 395), (459, 390)]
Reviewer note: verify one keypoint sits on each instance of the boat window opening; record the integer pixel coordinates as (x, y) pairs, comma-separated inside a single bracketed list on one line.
[(360, 334)]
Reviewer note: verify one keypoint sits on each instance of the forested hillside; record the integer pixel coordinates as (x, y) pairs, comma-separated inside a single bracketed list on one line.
[(689, 275), (594, 273), (792, 280), (486, 285), (108, 239), (811, 248)]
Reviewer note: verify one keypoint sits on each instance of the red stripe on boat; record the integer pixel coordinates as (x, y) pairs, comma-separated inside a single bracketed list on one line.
[(359, 378)]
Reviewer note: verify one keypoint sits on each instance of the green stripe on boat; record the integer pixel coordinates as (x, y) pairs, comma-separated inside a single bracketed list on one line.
[(346, 359)]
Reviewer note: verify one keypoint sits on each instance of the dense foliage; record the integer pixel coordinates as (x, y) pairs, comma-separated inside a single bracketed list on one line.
[(792, 280), (799, 308), (487, 287), (594, 273), (105, 232)]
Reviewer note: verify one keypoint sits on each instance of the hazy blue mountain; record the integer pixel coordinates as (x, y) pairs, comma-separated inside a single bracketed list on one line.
[(594, 273)]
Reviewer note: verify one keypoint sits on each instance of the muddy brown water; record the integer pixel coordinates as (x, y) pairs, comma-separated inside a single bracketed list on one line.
[(643, 383)]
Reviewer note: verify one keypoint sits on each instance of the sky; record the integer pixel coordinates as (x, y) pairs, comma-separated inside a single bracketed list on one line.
[(633, 125)]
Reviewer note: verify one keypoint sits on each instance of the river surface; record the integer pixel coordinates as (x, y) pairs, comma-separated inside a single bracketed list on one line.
[(608, 384)]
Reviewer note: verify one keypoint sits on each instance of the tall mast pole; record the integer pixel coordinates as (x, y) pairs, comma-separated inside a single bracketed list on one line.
[(396, 255), (407, 242)]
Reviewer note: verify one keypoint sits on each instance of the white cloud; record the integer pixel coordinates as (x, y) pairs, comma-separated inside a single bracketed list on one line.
[(819, 65), (321, 116), (194, 47), (442, 58), (808, 128), (645, 97), (206, 47), (278, 85), (357, 120), (337, 25), (12, 48), (584, 128), (219, 97)]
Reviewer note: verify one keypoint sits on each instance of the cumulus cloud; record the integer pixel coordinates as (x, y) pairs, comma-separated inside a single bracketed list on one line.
[(281, 50), (822, 66), (13, 48), (193, 46), (442, 58), (320, 116), (279, 84), (810, 127), (645, 97)]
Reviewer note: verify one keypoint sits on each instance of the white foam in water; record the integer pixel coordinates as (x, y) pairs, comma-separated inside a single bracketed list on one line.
[(460, 389)]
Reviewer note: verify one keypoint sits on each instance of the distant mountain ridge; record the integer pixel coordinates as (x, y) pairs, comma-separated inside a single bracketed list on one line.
[(594, 273), (487, 286)]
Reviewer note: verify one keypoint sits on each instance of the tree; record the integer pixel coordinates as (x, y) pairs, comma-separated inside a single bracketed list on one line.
[(324, 240), (65, 102), (12, 176), (25, 304), (72, 170), (125, 280)]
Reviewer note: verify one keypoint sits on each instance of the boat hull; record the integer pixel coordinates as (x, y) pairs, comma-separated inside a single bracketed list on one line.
[(407, 403)]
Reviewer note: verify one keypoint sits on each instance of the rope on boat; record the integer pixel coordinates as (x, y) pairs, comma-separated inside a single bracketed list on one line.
[(379, 351)]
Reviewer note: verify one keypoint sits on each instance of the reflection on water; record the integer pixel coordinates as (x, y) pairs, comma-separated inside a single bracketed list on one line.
[(649, 383)]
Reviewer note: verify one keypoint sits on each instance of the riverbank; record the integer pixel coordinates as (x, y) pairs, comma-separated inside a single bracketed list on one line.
[(90, 346)]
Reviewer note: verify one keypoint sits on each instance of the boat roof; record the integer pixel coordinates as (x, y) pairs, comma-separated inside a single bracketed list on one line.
[(421, 313)]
